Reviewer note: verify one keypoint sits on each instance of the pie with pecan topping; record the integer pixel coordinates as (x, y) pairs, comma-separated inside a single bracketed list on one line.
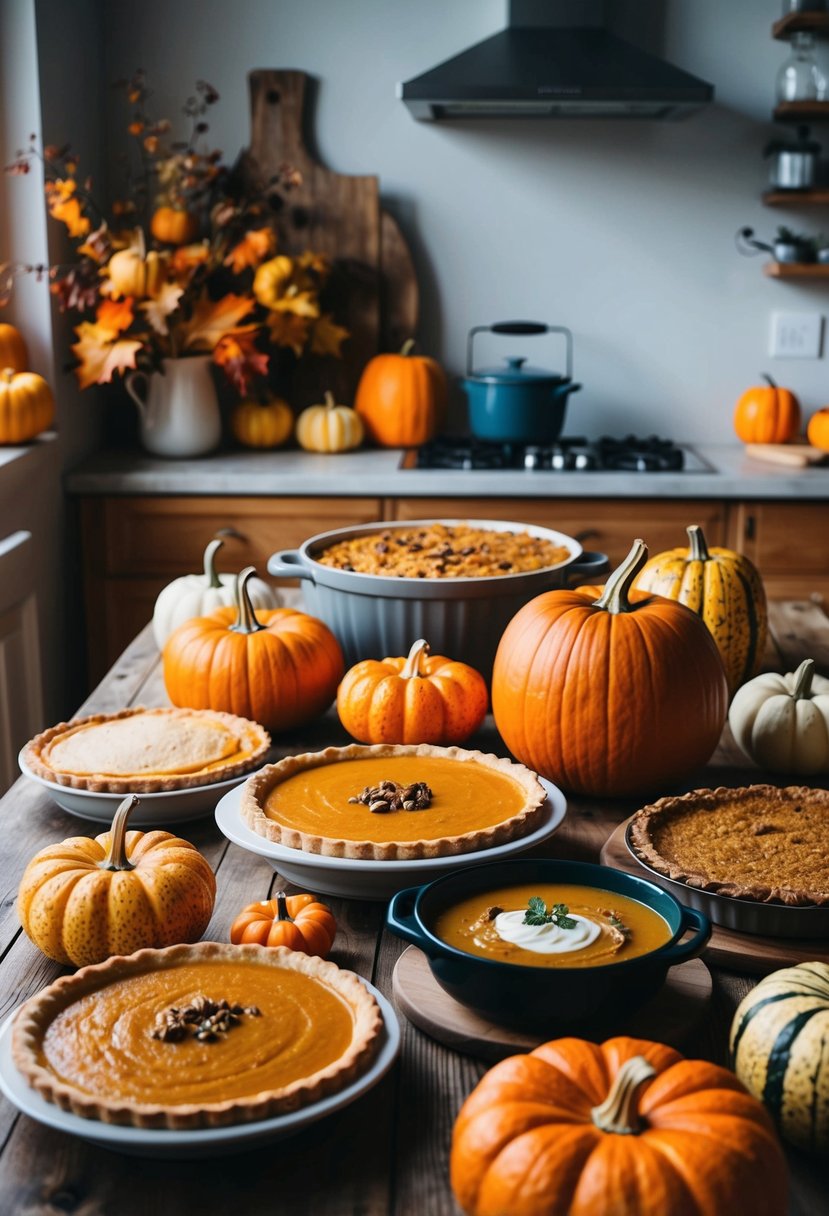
[(390, 802), (761, 843)]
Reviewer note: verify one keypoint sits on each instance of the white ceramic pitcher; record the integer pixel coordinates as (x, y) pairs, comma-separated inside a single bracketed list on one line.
[(179, 410)]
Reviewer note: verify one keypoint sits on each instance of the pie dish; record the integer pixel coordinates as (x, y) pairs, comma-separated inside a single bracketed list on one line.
[(327, 802), (146, 750), (760, 843), (298, 1029)]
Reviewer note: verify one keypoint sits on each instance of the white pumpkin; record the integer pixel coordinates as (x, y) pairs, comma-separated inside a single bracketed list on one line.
[(782, 722), (329, 427), (199, 594)]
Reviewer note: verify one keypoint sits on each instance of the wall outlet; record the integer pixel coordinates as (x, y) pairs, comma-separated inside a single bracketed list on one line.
[(796, 335)]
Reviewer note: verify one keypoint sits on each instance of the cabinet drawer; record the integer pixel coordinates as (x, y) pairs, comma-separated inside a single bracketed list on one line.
[(609, 526), (788, 543), (167, 536)]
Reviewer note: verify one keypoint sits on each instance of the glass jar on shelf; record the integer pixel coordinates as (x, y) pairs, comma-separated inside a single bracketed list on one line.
[(801, 78)]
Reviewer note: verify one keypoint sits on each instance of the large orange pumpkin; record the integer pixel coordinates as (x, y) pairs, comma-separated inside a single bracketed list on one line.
[(767, 414), (625, 1128), (174, 226), (608, 692), (280, 667), (85, 899), (298, 922), (401, 398), (422, 698), (13, 352), (27, 406)]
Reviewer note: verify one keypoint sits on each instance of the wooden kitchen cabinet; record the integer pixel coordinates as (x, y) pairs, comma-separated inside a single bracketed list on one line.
[(789, 544)]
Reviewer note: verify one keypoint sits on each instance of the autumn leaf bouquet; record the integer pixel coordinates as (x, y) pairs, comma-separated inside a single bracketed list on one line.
[(186, 263)]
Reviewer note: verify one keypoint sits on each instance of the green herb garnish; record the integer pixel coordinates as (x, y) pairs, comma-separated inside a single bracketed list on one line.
[(537, 914), (618, 924)]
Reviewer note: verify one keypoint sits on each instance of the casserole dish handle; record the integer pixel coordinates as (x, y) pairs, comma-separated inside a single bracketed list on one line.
[(588, 565), (287, 563), (682, 951), (400, 916)]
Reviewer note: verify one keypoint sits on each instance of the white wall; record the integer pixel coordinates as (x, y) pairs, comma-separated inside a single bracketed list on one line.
[(622, 230)]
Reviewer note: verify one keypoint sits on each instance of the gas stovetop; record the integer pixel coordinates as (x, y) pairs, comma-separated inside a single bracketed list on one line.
[(570, 454)]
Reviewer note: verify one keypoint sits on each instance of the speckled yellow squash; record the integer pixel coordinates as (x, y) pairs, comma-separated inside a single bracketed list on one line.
[(725, 589), (780, 1051)]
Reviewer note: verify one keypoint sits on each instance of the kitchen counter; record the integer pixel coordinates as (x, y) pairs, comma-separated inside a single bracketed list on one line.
[(730, 475)]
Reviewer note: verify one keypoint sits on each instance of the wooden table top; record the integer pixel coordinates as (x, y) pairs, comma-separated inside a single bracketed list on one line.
[(389, 1152)]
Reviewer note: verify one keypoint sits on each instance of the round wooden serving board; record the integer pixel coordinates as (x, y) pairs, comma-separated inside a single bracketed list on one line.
[(669, 1017), (727, 948)]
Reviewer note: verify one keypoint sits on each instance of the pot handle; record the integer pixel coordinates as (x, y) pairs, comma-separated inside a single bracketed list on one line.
[(683, 951), (522, 329), (287, 563), (589, 564), (400, 916)]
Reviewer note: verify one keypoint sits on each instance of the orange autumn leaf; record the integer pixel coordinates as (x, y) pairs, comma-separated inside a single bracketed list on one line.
[(100, 349), (251, 250), (288, 329), (327, 337), (211, 320), (114, 316), (67, 208), (242, 362), (187, 258)]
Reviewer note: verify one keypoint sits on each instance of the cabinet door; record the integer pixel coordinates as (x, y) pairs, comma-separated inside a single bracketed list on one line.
[(788, 543), (609, 526)]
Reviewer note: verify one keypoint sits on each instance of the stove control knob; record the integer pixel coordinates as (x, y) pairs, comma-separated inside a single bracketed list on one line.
[(532, 457)]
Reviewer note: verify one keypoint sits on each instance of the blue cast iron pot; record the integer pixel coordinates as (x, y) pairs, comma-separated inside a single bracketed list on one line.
[(517, 404), (540, 998)]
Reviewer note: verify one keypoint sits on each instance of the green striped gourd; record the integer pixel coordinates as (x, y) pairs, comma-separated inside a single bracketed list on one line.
[(779, 1049), (725, 589)]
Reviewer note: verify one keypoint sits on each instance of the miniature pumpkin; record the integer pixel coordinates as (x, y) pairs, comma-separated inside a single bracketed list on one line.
[(133, 274), (626, 1127), (401, 398), (88, 898), (174, 226), (280, 668), (767, 414), (27, 406), (198, 594), (298, 922), (13, 352), (262, 426), (782, 722), (607, 691), (329, 427), (817, 432), (725, 589), (779, 1047), (419, 699)]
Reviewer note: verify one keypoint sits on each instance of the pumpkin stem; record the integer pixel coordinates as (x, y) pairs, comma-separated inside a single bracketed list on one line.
[(614, 598), (210, 563), (142, 244), (771, 383), (699, 549), (116, 858), (282, 907), (246, 621), (408, 346), (330, 401), (619, 1113), (803, 680), (416, 657)]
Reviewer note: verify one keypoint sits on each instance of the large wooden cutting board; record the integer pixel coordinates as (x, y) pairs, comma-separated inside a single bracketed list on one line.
[(373, 287)]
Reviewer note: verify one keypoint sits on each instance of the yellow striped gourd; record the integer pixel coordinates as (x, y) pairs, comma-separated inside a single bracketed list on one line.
[(779, 1048), (725, 589), (329, 427)]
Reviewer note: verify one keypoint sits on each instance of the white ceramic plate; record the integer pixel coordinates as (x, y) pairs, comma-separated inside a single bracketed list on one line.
[(357, 879), (201, 1142), (153, 811)]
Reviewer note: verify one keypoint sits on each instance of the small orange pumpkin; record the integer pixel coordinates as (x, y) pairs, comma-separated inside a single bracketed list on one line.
[(280, 667), (422, 698), (401, 398), (174, 226), (13, 352), (27, 406), (767, 414), (262, 426), (817, 432), (133, 274), (299, 922)]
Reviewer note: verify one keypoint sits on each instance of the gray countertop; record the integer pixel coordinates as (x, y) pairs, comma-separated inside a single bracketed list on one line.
[(722, 471)]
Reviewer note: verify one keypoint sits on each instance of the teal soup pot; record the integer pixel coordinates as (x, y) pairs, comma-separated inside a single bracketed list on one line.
[(546, 999)]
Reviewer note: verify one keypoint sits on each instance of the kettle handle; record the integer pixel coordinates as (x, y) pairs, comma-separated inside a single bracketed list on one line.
[(523, 329)]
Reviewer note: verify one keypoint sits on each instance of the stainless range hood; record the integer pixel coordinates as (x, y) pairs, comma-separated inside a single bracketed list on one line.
[(554, 71)]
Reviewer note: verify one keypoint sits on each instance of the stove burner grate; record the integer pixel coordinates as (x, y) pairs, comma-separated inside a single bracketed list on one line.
[(573, 453)]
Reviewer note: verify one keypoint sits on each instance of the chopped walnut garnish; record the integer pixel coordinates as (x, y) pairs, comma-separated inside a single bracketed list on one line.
[(391, 796)]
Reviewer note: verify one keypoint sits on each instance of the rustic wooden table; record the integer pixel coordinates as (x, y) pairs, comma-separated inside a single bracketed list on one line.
[(389, 1152)]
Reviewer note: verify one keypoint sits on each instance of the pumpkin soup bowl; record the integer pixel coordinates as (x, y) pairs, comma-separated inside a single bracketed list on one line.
[(373, 615), (549, 998)]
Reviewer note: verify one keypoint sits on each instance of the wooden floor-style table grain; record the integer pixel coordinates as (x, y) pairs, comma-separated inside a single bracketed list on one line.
[(388, 1153)]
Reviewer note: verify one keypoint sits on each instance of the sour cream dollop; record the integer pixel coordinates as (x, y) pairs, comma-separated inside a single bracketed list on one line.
[(546, 939)]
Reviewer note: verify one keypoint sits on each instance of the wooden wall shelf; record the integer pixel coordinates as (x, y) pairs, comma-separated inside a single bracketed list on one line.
[(801, 23), (818, 197), (796, 270), (789, 111)]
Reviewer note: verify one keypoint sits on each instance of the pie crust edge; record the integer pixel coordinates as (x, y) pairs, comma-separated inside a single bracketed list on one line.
[(256, 789), (36, 1014), (100, 784), (644, 823)]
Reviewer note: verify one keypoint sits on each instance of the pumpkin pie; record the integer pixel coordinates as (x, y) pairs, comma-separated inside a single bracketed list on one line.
[(147, 750), (391, 802), (197, 1036), (760, 843)]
